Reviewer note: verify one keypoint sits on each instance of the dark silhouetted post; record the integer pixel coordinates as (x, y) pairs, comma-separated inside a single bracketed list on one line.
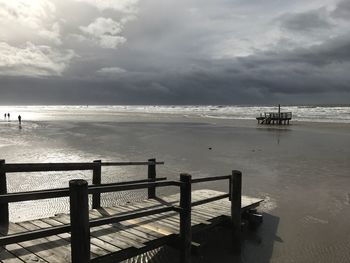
[(185, 219), (79, 220), (96, 180), (4, 207), (236, 196), (229, 188), (279, 114), (152, 177)]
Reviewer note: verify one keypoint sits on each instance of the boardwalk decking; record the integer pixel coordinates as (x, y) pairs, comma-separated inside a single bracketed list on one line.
[(122, 239)]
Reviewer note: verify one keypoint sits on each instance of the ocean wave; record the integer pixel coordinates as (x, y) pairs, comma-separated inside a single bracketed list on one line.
[(316, 113)]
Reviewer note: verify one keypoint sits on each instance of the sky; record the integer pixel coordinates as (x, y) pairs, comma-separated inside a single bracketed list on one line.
[(174, 52)]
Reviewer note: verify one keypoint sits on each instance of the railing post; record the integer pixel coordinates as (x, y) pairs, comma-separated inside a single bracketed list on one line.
[(79, 220), (229, 188), (185, 219), (236, 197), (96, 180), (4, 207), (152, 177)]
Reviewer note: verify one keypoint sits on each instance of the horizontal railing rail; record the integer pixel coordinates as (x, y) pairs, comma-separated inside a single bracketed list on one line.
[(210, 199), (117, 188), (56, 167), (64, 192), (119, 218), (211, 178), (128, 163), (46, 167), (278, 115), (33, 234)]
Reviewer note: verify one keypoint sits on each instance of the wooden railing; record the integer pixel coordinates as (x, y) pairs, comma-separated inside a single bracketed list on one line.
[(80, 223), (276, 115), (94, 166)]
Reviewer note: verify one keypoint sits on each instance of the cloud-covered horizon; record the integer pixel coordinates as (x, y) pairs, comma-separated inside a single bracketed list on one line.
[(174, 52)]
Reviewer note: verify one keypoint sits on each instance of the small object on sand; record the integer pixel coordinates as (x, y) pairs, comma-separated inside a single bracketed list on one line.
[(209, 148)]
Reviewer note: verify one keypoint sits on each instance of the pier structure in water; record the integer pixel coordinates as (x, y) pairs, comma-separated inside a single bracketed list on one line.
[(275, 118)]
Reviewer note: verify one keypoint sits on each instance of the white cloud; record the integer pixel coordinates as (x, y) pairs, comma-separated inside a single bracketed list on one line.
[(29, 19), (104, 32), (126, 6), (110, 71), (34, 61)]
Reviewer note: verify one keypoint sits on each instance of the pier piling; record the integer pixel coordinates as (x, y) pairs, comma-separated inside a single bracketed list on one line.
[(185, 218), (4, 207), (236, 196), (79, 220), (152, 177), (96, 180)]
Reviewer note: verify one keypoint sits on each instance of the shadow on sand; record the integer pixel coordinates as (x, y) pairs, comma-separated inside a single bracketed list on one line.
[(216, 245)]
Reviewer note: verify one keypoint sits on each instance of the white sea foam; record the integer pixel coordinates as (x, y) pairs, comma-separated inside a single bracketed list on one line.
[(340, 114)]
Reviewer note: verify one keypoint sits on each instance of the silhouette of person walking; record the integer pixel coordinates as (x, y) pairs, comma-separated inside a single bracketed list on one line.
[(5, 115), (19, 120), (8, 116)]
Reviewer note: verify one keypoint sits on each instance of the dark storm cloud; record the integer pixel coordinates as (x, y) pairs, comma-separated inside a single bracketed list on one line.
[(342, 10), (307, 21), (180, 52), (266, 77)]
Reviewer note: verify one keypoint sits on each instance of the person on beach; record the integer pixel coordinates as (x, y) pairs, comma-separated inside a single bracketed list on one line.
[(8, 116), (19, 120), (5, 116)]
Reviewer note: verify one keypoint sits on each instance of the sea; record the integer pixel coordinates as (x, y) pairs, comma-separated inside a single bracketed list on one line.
[(315, 113)]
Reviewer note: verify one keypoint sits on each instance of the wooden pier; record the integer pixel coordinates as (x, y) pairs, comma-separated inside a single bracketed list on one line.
[(116, 233), (275, 118)]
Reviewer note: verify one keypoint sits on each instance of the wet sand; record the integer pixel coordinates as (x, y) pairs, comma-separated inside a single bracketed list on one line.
[(301, 170)]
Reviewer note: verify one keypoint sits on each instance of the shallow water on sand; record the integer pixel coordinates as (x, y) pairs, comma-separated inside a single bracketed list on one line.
[(302, 171)]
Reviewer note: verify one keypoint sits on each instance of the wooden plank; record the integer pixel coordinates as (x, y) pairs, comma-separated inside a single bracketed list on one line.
[(163, 217), (108, 233), (22, 254), (176, 218), (149, 223), (139, 231), (60, 246), (49, 249), (95, 242), (128, 231), (18, 251), (7, 257), (97, 247), (98, 233), (151, 220), (158, 219), (127, 224)]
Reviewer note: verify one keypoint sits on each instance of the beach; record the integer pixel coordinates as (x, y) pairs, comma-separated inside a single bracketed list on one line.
[(301, 170)]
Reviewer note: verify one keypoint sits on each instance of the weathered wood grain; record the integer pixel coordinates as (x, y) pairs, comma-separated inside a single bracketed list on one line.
[(123, 239)]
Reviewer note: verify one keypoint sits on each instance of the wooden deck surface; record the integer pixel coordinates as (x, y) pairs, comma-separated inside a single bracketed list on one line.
[(124, 238)]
